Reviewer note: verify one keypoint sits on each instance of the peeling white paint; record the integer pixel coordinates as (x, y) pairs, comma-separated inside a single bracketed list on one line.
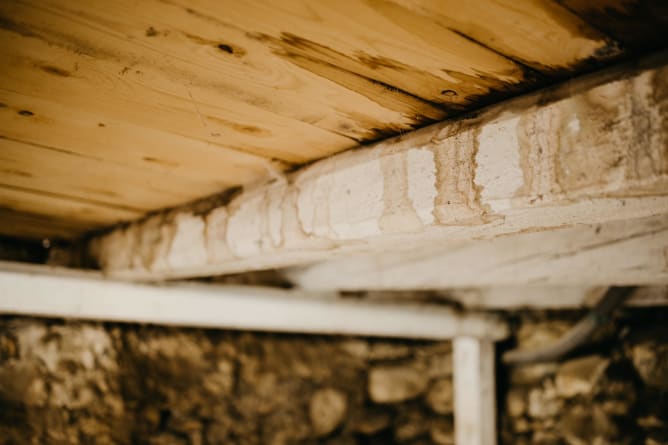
[(498, 172), (344, 204), (188, 246), (244, 227), (275, 200), (356, 200), (422, 192), (216, 227)]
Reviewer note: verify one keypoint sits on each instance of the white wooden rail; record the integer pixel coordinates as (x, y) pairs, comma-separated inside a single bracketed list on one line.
[(49, 292), (40, 291)]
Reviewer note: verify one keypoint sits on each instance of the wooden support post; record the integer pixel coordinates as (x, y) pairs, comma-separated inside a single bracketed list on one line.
[(475, 394)]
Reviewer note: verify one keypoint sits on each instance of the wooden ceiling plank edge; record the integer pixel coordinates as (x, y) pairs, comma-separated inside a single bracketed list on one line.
[(74, 199)]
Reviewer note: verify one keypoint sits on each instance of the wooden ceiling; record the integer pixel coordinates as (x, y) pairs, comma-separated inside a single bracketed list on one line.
[(112, 109)]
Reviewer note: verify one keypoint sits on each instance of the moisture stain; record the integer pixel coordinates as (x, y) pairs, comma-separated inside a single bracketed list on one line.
[(159, 161), (54, 70), (227, 48)]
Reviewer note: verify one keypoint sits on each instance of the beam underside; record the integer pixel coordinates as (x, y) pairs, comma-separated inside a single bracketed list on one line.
[(589, 152)]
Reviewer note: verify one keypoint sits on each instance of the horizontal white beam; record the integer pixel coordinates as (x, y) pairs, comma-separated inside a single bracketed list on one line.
[(590, 151), (508, 298), (50, 293), (628, 252)]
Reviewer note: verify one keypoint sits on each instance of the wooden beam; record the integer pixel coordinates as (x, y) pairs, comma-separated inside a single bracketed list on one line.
[(474, 391), (509, 298), (49, 292), (627, 252), (588, 152)]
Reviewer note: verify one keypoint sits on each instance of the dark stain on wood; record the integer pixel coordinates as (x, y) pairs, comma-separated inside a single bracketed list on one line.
[(17, 28), (50, 148), (225, 47), (55, 70), (151, 32), (15, 172), (639, 25), (56, 37), (100, 124), (160, 161), (241, 128), (26, 113), (379, 69), (334, 66)]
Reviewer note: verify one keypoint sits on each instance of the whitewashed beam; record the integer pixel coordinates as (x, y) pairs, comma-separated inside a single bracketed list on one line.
[(38, 291), (590, 151), (508, 298), (474, 391), (627, 252)]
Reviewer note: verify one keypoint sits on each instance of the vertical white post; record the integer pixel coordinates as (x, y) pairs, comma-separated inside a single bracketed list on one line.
[(475, 397)]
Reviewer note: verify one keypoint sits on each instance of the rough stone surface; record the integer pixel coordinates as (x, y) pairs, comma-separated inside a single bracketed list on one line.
[(440, 396), (580, 376), (327, 410), (392, 384), (516, 403), (613, 392), (91, 383), (650, 359)]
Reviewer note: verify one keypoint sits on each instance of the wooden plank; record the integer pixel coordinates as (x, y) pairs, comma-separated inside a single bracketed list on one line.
[(62, 125), (201, 96), (541, 34), (105, 71), (625, 252), (35, 226), (374, 41), (56, 170), (52, 292), (53, 205), (589, 152), (474, 391)]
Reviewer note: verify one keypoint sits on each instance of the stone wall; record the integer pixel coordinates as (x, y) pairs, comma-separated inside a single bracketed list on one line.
[(614, 391), (71, 382)]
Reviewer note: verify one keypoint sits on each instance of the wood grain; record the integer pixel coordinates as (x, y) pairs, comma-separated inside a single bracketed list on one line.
[(191, 98), (37, 226), (540, 34), (621, 253)]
